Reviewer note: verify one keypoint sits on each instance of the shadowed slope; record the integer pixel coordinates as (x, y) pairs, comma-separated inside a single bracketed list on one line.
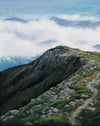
[(19, 84)]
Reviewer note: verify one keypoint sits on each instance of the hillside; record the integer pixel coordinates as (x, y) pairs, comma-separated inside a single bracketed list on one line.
[(60, 88)]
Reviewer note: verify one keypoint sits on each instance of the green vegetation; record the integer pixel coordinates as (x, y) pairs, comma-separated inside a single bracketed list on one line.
[(90, 118), (12, 122), (53, 121), (94, 56), (60, 103), (60, 47), (79, 91)]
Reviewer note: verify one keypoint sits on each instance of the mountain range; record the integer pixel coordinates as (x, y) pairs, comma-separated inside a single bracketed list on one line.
[(8, 62)]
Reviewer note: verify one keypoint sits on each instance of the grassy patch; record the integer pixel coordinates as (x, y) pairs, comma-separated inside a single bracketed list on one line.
[(90, 118), (60, 103), (80, 90), (53, 121)]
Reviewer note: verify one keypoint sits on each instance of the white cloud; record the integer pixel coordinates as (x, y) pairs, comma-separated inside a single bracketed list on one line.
[(23, 39)]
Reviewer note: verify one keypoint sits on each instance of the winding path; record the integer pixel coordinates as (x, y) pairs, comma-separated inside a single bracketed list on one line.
[(73, 118)]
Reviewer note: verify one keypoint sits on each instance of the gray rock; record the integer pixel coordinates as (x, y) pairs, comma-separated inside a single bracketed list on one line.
[(32, 100), (81, 100), (50, 96), (50, 111), (28, 124), (21, 108), (72, 103), (43, 116), (2, 117), (66, 106), (91, 104), (91, 109), (46, 108), (48, 114), (84, 96), (61, 97), (10, 114), (8, 117), (55, 110), (36, 106), (67, 92), (65, 113), (45, 103), (43, 112), (38, 99), (27, 112)]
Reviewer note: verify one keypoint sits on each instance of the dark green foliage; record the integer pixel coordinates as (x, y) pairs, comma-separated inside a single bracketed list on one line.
[(60, 47), (52, 121), (13, 122), (80, 90), (60, 103), (91, 118)]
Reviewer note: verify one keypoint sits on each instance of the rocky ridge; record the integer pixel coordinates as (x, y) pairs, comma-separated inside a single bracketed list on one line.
[(68, 98)]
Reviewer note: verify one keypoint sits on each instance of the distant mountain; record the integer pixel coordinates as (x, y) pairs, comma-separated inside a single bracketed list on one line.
[(16, 19), (73, 23), (8, 62), (97, 47)]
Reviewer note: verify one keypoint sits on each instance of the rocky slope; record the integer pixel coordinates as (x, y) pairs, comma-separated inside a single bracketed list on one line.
[(60, 88)]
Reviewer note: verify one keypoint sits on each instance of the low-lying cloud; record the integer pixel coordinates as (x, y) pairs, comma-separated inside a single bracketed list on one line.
[(35, 37)]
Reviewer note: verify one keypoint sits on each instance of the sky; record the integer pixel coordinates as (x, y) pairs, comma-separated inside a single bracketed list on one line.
[(30, 27)]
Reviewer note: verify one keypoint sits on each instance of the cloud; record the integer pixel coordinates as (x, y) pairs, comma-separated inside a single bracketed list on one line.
[(24, 39)]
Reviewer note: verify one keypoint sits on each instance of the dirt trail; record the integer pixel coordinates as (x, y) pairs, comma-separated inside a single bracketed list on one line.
[(73, 118)]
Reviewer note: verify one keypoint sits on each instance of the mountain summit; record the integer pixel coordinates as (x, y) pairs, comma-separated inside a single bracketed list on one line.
[(57, 89)]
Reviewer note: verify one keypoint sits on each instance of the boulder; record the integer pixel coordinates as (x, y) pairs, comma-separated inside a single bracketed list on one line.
[(10, 114), (65, 113), (72, 103), (55, 110), (8, 117), (91, 104), (43, 116), (28, 124), (66, 106), (84, 96), (91, 109), (32, 100), (38, 99)]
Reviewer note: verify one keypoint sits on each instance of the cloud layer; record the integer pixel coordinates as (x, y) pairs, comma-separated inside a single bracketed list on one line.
[(34, 37)]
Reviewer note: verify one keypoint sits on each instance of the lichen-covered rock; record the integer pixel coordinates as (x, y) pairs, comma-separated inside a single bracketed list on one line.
[(10, 114)]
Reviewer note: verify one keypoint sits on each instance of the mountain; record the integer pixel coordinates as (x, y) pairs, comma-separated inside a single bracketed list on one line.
[(60, 88), (97, 47), (76, 23), (17, 20), (8, 62)]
